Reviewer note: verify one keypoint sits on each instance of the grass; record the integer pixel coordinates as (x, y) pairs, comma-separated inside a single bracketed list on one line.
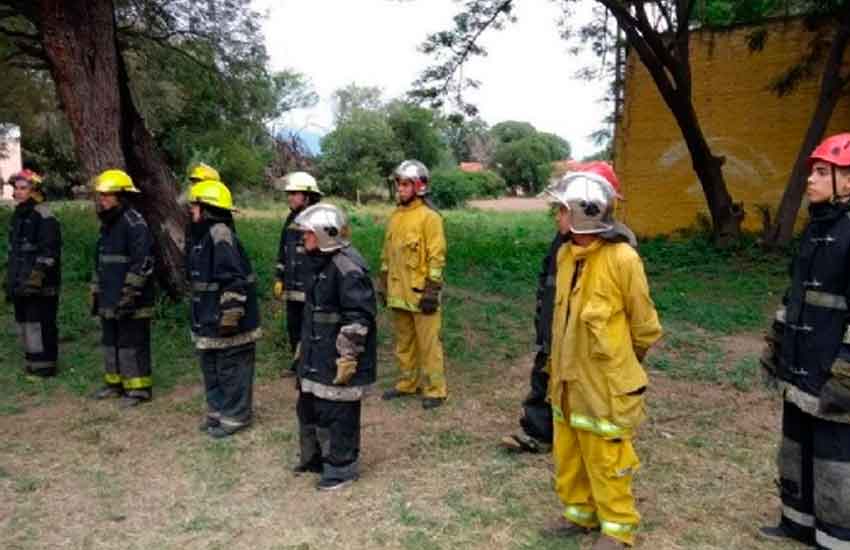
[(147, 479)]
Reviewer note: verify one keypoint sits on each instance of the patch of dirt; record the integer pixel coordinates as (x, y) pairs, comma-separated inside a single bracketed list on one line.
[(510, 204), (739, 346), (80, 474)]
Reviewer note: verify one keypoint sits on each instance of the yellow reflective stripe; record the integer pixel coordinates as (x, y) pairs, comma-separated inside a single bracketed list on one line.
[(204, 287), (112, 379), (599, 426), (579, 515), (435, 274), (825, 300), (133, 279), (398, 303), (140, 383), (557, 414), (616, 529), (295, 295)]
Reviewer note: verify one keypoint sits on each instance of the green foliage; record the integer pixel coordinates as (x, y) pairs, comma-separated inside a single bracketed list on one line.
[(417, 131), (512, 130), (526, 162), (451, 188), (468, 140), (353, 98), (359, 154), (558, 147)]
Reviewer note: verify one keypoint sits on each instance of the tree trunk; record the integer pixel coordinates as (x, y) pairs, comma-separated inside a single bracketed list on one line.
[(832, 85), (92, 84), (726, 215)]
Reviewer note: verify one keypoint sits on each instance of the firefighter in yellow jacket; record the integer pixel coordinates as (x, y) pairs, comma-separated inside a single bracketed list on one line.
[(411, 281), (604, 322)]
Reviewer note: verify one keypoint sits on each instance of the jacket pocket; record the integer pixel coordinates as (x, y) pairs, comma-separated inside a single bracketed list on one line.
[(596, 315), (412, 250), (626, 388)]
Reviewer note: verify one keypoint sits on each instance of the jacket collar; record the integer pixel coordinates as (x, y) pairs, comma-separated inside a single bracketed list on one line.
[(581, 252)]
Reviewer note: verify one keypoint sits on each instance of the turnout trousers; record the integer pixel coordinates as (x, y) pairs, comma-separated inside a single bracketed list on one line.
[(36, 326), (127, 356), (536, 418), (419, 351), (593, 479), (329, 434), (814, 479), (229, 384)]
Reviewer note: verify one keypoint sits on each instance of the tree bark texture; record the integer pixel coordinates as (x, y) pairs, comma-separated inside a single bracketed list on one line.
[(832, 86), (109, 132)]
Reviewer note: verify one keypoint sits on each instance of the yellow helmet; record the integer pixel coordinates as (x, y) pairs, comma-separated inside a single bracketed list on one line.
[(114, 181), (301, 181), (201, 172), (213, 193)]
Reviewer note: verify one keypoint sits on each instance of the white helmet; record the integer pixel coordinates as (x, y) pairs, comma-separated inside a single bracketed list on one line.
[(590, 199), (329, 224), (301, 181), (414, 171)]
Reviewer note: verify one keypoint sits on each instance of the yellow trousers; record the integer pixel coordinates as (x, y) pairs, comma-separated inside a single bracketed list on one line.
[(419, 351), (593, 479)]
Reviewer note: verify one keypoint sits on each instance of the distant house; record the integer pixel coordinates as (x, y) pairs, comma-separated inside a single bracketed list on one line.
[(756, 131), (471, 167)]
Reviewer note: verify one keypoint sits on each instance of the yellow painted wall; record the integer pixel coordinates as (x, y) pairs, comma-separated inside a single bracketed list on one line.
[(758, 132)]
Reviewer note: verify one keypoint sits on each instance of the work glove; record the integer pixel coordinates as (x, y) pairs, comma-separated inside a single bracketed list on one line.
[(229, 323), (345, 370), (382, 288), (34, 282), (279, 289), (127, 303), (835, 394), (430, 300)]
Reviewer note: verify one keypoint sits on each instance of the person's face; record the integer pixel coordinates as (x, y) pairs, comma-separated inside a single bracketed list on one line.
[(195, 211), (819, 184), (296, 199), (107, 201), (23, 191), (562, 220), (406, 190), (311, 242)]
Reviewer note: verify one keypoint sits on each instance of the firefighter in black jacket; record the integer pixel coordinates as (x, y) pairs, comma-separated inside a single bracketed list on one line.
[(810, 358), (123, 291), (34, 273), (338, 349), (292, 270), (225, 316)]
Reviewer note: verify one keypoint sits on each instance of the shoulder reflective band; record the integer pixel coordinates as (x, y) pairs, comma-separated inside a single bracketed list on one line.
[(825, 299), (114, 259), (599, 426)]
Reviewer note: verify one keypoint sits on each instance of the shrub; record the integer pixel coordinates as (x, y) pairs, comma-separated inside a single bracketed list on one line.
[(452, 188)]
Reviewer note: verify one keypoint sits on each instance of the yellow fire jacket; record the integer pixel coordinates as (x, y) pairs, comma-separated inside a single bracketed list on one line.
[(414, 250), (604, 318)]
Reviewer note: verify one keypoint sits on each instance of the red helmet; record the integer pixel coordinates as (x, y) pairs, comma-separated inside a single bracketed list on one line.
[(835, 150), (27, 175), (600, 168)]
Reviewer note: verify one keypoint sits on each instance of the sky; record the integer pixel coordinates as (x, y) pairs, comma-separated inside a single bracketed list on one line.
[(527, 76)]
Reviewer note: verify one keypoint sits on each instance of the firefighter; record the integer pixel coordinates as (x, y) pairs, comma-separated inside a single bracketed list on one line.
[(291, 270), (202, 172), (123, 291), (34, 273), (809, 357), (536, 419), (224, 312), (604, 322), (338, 349), (410, 284)]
